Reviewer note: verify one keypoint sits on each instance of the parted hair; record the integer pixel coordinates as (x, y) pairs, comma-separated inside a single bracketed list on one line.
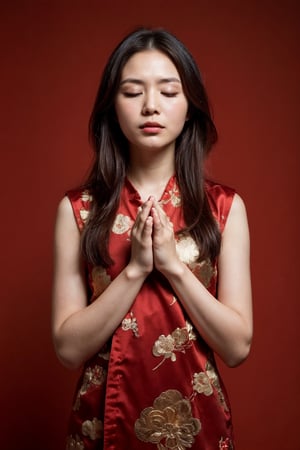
[(111, 155)]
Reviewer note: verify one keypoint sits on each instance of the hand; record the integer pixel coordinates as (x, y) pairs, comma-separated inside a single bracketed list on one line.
[(141, 240), (164, 244)]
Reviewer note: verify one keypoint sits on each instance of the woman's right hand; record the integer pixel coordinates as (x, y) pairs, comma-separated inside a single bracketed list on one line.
[(141, 240)]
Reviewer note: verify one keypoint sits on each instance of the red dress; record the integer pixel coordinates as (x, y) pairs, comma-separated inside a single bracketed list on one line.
[(155, 384)]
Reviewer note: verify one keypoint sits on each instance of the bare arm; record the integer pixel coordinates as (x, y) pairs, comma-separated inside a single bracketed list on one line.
[(80, 330), (226, 323)]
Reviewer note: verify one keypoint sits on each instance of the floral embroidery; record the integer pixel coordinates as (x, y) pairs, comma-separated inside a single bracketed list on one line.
[(173, 196), (201, 384), (168, 423), (204, 271), (204, 382), (225, 444), (122, 224), (213, 376), (130, 323), (74, 443), (179, 341), (92, 377), (187, 249), (84, 213), (92, 429), (86, 196), (100, 280), (188, 253)]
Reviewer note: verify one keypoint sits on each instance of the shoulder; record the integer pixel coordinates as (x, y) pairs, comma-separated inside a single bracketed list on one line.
[(64, 208), (66, 227), (237, 218), (238, 205)]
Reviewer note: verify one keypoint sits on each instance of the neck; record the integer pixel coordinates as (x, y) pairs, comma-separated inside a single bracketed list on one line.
[(150, 173)]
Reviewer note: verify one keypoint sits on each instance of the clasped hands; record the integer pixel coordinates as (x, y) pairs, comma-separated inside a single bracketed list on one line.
[(152, 240)]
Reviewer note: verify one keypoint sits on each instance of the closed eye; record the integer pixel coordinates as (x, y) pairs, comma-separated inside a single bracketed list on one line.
[(131, 94), (170, 94)]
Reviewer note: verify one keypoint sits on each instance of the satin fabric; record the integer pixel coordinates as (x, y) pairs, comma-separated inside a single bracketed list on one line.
[(155, 384)]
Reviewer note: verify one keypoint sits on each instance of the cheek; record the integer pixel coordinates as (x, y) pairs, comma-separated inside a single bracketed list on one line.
[(125, 113), (178, 114), (126, 119), (121, 117)]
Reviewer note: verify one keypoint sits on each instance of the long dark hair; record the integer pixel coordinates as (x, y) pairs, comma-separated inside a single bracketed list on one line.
[(107, 175)]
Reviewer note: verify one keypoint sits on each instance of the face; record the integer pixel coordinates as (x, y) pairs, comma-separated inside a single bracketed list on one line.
[(150, 104)]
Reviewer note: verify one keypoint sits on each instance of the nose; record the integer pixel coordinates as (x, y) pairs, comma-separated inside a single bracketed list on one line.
[(151, 104)]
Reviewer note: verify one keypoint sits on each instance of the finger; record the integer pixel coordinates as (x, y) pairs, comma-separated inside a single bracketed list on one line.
[(161, 214), (143, 213), (156, 218), (157, 209), (146, 208), (147, 230)]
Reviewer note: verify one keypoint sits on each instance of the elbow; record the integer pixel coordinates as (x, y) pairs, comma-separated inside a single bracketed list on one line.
[(240, 348), (237, 359), (66, 356), (69, 363), (238, 356)]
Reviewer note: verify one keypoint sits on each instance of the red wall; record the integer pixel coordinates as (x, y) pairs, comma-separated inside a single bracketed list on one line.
[(52, 54)]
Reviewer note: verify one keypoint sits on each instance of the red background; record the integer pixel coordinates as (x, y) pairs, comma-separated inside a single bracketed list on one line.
[(52, 54)]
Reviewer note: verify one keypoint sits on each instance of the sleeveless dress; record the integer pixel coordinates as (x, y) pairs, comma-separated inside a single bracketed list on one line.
[(155, 384)]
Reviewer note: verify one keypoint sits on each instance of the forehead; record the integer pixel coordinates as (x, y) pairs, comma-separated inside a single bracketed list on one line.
[(150, 63)]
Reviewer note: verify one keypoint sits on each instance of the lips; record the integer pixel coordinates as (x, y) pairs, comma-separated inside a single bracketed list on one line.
[(151, 127)]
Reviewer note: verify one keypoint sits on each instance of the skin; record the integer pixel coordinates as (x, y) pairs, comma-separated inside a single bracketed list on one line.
[(80, 329)]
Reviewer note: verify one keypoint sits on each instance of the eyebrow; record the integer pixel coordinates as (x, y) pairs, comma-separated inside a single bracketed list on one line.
[(161, 81)]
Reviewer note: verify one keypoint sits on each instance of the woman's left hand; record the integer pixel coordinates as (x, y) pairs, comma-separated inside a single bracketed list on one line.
[(164, 245)]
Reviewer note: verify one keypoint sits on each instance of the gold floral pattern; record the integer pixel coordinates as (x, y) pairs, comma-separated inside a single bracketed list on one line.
[(204, 271), (92, 429), (122, 224), (74, 443), (187, 249), (178, 341), (84, 214), (225, 444), (168, 423), (130, 323), (173, 196), (188, 253), (93, 376), (86, 196), (204, 382), (84, 210), (99, 280)]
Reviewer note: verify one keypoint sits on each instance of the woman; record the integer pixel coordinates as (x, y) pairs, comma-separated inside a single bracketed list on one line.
[(152, 263)]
